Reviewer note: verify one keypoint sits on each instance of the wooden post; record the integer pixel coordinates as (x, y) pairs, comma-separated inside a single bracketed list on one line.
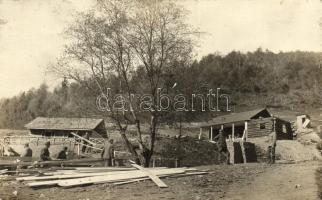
[(211, 133), (246, 130), (233, 131), (78, 149), (200, 133), (153, 162)]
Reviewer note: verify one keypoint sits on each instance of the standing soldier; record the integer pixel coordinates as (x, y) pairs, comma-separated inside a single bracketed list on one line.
[(86, 136), (108, 153), (272, 144), (222, 146)]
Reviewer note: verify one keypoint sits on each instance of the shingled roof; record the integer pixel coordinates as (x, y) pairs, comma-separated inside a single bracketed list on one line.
[(237, 117), (64, 123)]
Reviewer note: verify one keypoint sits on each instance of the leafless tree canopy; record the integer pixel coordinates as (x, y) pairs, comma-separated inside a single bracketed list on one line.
[(117, 38)]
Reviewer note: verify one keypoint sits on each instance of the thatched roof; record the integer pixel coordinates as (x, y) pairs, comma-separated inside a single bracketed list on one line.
[(237, 117), (64, 123)]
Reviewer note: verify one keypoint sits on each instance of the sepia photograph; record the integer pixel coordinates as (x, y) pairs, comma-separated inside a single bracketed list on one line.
[(160, 99)]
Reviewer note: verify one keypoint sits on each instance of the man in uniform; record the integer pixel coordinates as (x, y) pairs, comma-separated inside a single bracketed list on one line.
[(222, 146), (44, 153), (62, 155), (27, 153), (108, 153), (86, 136), (272, 144)]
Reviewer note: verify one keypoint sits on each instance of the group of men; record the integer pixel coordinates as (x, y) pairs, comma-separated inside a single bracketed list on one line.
[(107, 153), (44, 153)]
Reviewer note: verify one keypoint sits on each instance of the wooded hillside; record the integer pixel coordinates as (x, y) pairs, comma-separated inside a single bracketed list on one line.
[(255, 78)]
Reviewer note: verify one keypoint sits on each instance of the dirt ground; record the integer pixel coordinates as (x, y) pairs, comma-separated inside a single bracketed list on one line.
[(281, 182), (243, 181)]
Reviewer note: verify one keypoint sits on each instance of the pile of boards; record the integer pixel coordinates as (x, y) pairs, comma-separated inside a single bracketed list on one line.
[(81, 176)]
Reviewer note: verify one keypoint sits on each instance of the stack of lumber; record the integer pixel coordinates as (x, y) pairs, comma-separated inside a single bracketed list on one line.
[(80, 176), (88, 162)]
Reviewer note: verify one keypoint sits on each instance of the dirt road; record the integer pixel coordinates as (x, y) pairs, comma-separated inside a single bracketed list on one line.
[(280, 182)]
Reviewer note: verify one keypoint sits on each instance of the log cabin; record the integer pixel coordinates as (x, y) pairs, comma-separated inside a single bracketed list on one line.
[(249, 124)]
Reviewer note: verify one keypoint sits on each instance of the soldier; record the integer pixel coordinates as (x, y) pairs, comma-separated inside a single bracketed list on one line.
[(27, 151), (222, 146), (44, 153), (108, 153), (86, 136), (272, 144), (62, 155)]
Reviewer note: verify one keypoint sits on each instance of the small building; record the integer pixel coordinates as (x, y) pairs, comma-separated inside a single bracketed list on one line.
[(302, 122), (62, 127), (249, 124)]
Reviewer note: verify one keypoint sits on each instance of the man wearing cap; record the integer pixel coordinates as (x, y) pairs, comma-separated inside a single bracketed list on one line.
[(272, 143), (108, 153), (222, 147), (27, 153), (62, 155), (44, 153)]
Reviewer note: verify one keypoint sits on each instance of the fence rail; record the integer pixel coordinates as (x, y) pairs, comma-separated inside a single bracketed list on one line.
[(17, 140)]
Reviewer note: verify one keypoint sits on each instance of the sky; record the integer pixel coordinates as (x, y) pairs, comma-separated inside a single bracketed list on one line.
[(31, 32)]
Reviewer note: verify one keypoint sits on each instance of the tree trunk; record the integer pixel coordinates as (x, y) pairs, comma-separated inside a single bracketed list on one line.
[(147, 155), (130, 147)]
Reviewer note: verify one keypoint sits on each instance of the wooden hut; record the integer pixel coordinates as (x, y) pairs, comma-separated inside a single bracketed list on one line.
[(249, 124), (62, 127)]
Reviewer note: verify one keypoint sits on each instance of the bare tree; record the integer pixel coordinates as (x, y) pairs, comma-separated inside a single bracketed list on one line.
[(115, 39)]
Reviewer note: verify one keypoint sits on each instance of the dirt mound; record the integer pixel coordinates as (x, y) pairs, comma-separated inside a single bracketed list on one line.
[(308, 137), (292, 150), (189, 151)]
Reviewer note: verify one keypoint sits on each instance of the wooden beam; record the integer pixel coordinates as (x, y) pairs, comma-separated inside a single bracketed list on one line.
[(153, 177), (84, 139), (306, 123), (211, 133), (233, 131), (67, 176), (246, 130), (200, 133), (105, 179)]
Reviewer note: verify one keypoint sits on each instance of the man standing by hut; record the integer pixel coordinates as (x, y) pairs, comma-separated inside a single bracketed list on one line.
[(272, 144), (222, 146), (86, 136), (108, 153)]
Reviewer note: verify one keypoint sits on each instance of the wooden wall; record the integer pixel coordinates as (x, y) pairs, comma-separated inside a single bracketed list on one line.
[(255, 130), (283, 128)]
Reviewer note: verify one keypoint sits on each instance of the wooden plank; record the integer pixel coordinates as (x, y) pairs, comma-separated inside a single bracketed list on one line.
[(153, 177), (161, 176), (104, 179), (51, 163), (66, 176), (77, 175), (105, 168), (80, 137), (136, 180), (306, 122)]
